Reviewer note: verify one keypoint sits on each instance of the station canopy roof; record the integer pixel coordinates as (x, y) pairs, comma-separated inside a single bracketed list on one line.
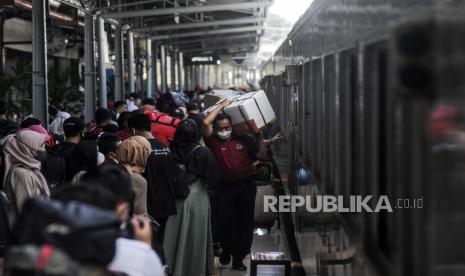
[(195, 27)]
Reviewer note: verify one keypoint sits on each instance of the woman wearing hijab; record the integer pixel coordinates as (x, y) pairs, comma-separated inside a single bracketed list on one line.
[(23, 179), (190, 230), (132, 154)]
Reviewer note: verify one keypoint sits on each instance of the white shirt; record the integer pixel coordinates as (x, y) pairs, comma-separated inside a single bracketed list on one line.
[(56, 126), (135, 258), (131, 106)]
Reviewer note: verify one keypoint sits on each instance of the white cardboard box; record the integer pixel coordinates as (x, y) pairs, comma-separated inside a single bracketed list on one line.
[(250, 113)]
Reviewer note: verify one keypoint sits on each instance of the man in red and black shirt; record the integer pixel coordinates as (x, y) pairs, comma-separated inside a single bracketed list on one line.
[(235, 194)]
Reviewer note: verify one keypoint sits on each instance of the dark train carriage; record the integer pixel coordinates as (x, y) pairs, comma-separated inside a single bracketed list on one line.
[(372, 100)]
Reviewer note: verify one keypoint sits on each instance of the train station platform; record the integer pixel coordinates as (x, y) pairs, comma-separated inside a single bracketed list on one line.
[(274, 241)]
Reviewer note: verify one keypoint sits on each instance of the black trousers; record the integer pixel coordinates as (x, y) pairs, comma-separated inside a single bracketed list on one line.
[(235, 216), (157, 240)]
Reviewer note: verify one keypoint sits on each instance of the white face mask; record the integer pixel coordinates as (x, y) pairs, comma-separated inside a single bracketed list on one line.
[(224, 134)]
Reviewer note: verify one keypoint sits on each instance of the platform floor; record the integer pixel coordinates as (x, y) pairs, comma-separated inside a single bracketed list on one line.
[(263, 241), (275, 241)]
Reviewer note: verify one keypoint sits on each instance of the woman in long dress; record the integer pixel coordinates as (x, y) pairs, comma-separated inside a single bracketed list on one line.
[(188, 239)]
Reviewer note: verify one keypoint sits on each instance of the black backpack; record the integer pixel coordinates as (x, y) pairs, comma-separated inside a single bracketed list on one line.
[(182, 179), (54, 168), (86, 233), (47, 260)]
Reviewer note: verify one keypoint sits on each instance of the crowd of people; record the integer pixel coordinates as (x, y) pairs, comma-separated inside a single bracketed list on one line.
[(147, 188)]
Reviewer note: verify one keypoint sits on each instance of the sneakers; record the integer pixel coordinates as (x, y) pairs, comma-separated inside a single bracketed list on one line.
[(225, 258), (239, 265)]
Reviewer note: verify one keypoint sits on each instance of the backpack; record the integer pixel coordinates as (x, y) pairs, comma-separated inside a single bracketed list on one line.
[(54, 168), (163, 126), (182, 181), (47, 260), (84, 232)]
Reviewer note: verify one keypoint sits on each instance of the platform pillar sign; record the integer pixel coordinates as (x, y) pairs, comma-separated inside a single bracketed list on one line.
[(103, 56), (39, 62), (132, 84), (89, 80), (163, 69), (149, 64), (119, 57)]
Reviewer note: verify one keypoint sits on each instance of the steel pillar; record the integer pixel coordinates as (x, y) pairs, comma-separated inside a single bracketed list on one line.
[(39, 62), (164, 82), (102, 62), (180, 71), (149, 68), (209, 75), (173, 70), (132, 83), (155, 69), (89, 70), (119, 57), (197, 75)]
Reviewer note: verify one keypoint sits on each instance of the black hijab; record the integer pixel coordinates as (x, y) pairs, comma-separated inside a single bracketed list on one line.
[(201, 163)]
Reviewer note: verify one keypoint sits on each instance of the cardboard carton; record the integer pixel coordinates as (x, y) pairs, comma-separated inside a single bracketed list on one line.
[(250, 113), (217, 95)]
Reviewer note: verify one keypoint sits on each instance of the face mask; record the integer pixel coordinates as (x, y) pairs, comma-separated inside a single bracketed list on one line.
[(224, 134), (40, 155)]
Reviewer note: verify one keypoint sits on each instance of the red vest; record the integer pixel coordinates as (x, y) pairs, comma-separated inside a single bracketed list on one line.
[(163, 126)]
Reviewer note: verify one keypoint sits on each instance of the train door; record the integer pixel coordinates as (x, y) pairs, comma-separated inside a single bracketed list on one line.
[(292, 86), (379, 136), (329, 128), (347, 94)]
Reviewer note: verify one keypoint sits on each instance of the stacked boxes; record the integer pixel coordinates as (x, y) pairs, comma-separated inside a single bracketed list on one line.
[(249, 112)]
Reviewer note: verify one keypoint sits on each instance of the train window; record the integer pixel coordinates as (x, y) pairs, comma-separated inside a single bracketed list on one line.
[(316, 131), (329, 128)]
